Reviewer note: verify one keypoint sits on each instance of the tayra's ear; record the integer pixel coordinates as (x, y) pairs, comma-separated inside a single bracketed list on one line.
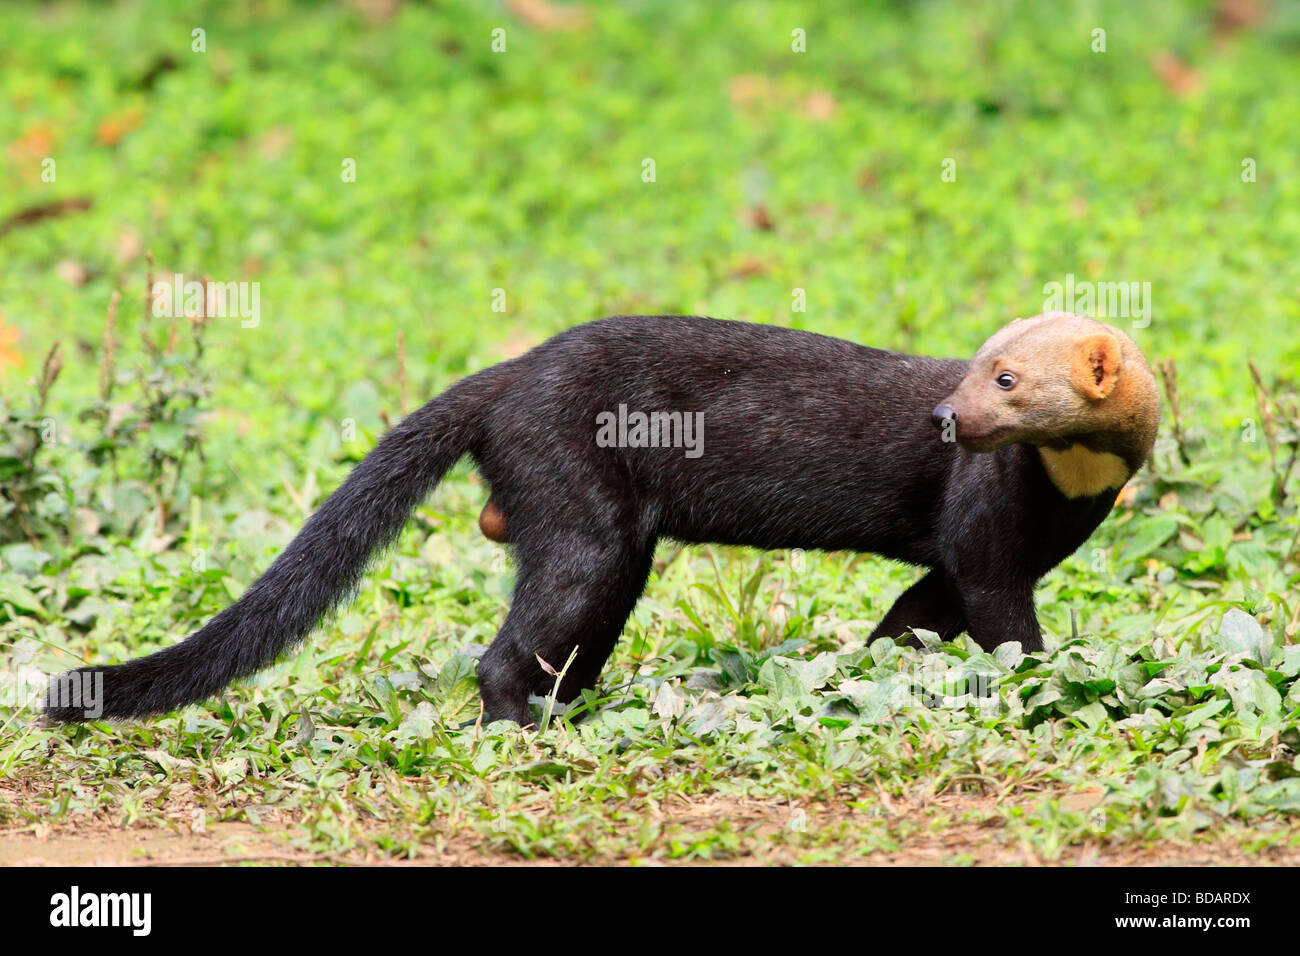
[(1096, 365)]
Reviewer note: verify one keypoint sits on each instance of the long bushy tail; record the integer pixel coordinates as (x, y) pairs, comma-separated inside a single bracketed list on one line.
[(319, 569)]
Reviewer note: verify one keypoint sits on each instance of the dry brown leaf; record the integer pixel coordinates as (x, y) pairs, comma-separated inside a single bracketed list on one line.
[(1233, 15), (36, 142), (112, 129), (1178, 77), (274, 142), (72, 272), (820, 106), (10, 356), (129, 245), (516, 344), (747, 267), (759, 218), (545, 15), (1081, 801), (376, 10), (48, 210), (747, 89)]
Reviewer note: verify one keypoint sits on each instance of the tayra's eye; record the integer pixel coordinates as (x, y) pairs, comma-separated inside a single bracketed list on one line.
[(1006, 380)]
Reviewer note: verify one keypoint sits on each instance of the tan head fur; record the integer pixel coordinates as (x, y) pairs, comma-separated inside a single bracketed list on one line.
[(1077, 388)]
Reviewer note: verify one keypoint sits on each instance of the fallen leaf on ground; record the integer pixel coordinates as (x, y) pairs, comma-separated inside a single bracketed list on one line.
[(545, 15), (1178, 77)]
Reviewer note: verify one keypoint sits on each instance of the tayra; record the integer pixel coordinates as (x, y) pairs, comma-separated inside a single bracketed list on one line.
[(987, 472)]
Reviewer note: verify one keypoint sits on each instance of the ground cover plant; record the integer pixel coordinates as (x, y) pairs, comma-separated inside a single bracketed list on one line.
[(415, 196)]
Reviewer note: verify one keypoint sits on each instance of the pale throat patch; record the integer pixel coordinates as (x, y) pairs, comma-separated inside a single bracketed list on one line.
[(1079, 472)]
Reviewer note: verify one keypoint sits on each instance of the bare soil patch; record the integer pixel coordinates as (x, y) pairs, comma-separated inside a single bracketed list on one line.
[(947, 829)]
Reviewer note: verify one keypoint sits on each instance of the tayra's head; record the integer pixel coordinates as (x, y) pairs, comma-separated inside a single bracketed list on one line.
[(1061, 382)]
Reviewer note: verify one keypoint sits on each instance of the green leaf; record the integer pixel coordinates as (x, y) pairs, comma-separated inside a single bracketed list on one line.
[(1239, 633), (1149, 534), (22, 600), (456, 690)]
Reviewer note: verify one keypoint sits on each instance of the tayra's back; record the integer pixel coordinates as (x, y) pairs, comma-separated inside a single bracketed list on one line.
[(803, 440)]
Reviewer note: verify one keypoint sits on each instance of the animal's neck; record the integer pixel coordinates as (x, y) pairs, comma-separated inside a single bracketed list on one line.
[(1123, 435), (1136, 409), (1081, 472)]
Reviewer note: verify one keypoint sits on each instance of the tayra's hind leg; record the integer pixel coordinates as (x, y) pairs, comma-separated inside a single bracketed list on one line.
[(577, 591), (932, 603)]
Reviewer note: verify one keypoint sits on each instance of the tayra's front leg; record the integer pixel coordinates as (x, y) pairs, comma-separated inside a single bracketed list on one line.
[(1000, 611), (992, 532)]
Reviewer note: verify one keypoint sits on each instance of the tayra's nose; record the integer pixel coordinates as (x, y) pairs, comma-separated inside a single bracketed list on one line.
[(943, 414)]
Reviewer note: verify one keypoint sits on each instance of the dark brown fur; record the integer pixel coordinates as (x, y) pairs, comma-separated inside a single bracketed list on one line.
[(808, 442)]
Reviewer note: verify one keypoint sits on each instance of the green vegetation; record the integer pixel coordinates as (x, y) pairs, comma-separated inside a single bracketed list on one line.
[(743, 716)]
